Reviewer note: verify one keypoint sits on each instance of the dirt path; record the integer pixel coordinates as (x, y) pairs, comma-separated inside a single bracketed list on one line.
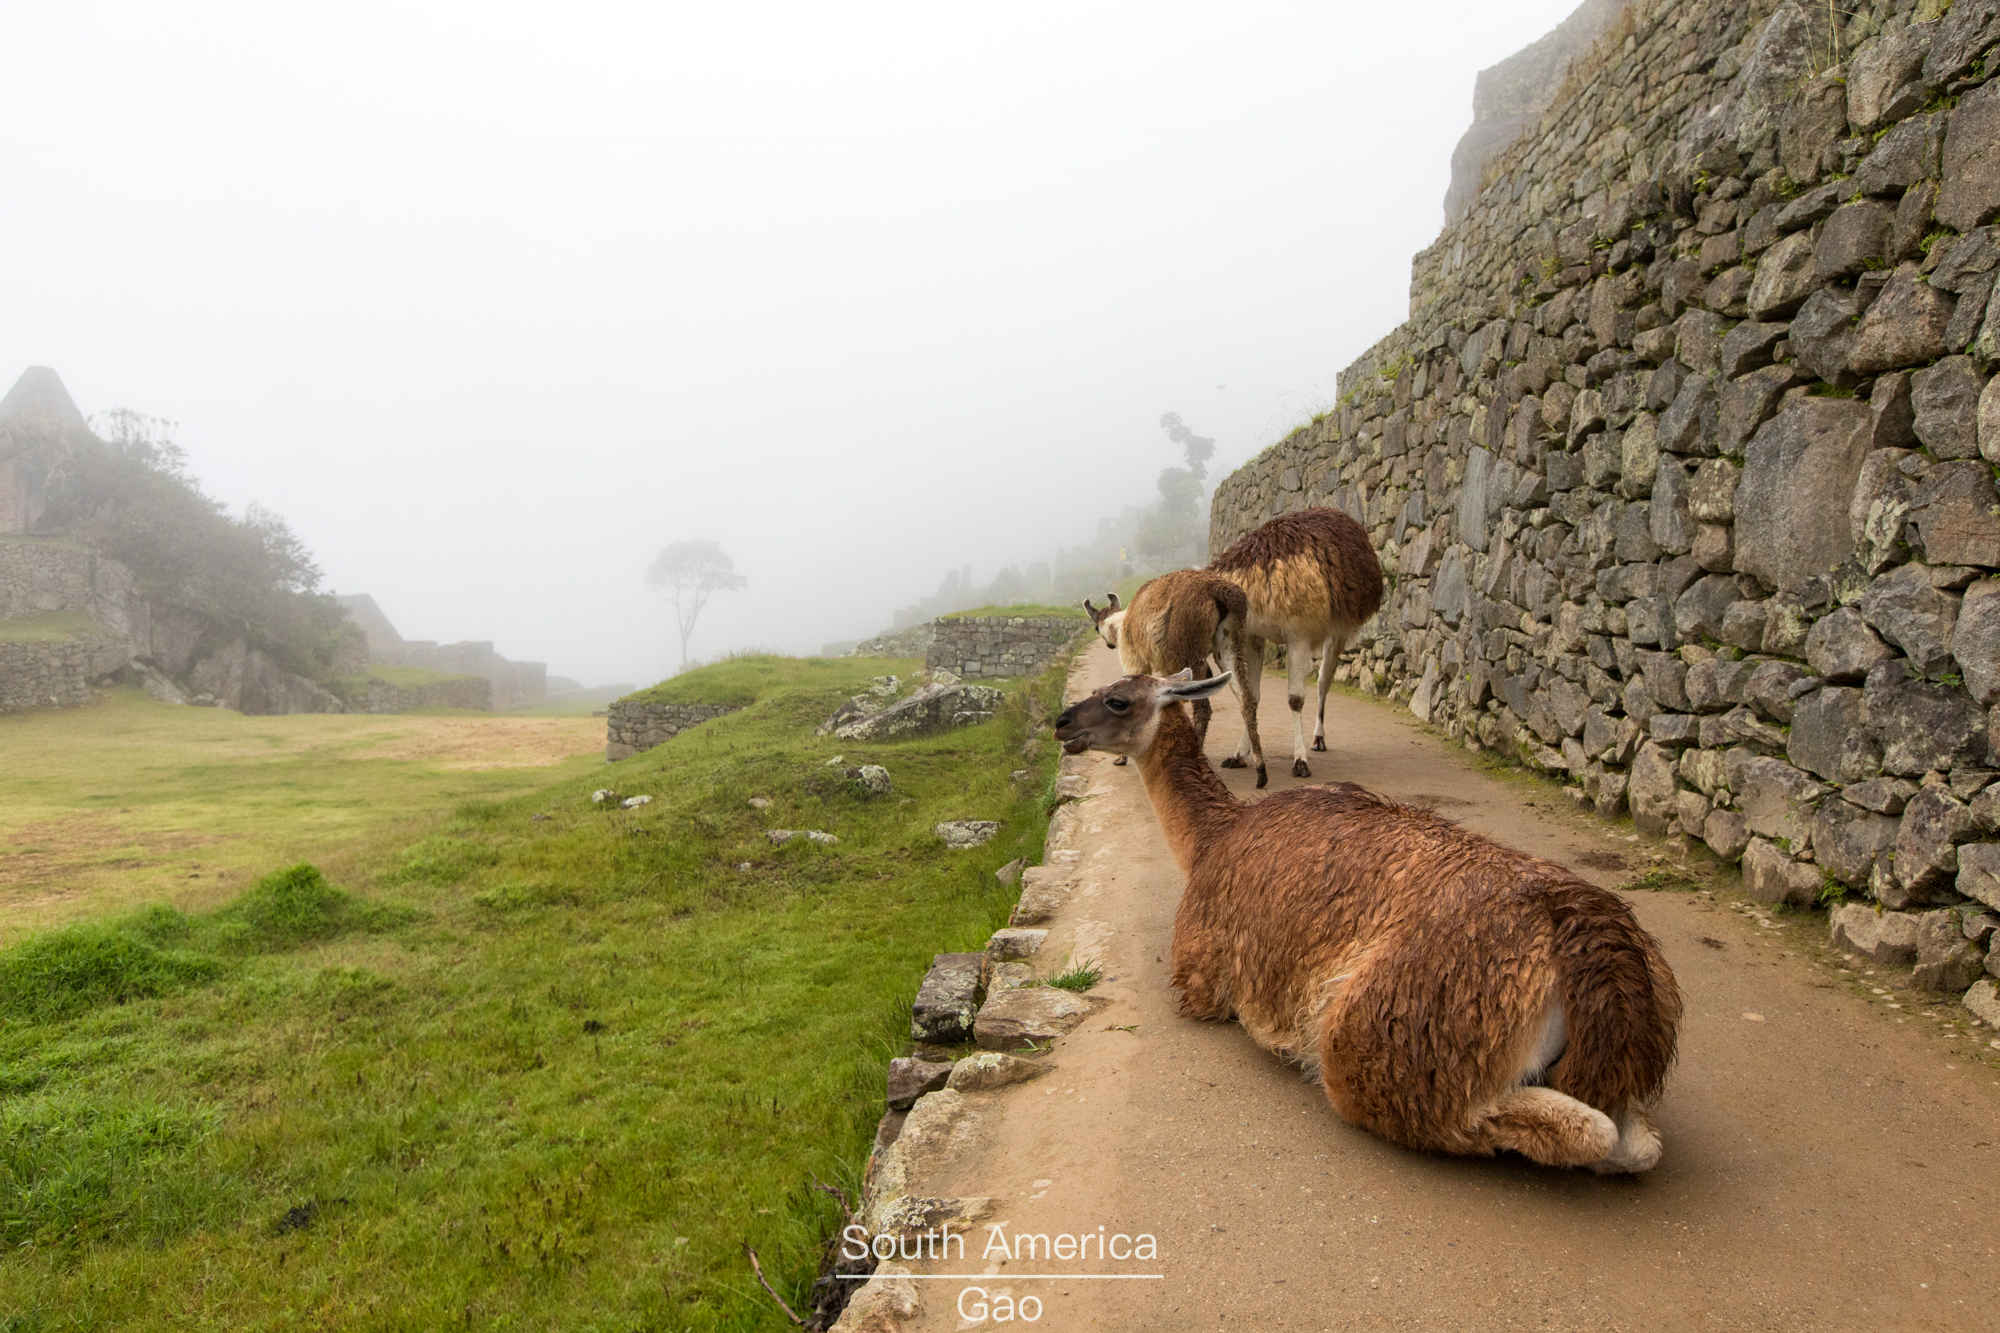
[(1830, 1164)]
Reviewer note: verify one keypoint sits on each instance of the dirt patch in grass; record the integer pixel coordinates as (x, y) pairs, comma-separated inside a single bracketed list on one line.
[(471, 744)]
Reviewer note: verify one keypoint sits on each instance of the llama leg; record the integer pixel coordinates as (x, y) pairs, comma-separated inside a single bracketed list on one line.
[(1250, 671), (1329, 659), (1638, 1147), (1547, 1126), (1298, 660)]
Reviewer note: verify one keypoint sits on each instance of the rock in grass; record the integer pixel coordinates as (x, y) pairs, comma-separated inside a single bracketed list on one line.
[(910, 1079), (993, 1069), (1010, 874), (604, 798), (780, 836), (873, 779), (963, 833), (634, 802), (948, 1000)]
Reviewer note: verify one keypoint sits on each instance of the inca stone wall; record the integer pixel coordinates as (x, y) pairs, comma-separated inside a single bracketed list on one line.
[(1683, 467), (376, 695), (636, 725), (1000, 645), (40, 675)]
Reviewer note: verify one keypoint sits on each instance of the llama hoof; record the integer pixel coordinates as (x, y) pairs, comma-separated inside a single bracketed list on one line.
[(1119, 762), (1262, 776), (1638, 1147), (1299, 769), (1319, 743), (1234, 762)]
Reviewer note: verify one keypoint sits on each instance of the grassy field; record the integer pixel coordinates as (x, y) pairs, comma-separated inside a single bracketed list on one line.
[(131, 801), (49, 627), (1020, 609), (545, 1065)]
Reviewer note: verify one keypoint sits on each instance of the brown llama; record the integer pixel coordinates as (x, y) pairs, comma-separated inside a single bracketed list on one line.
[(1312, 579), (1176, 622), (1106, 619), (1448, 993)]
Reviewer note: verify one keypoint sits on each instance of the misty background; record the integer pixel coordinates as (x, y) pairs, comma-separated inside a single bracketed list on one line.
[(491, 303)]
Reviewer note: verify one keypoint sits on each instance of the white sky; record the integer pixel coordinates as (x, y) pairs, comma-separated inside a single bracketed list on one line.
[(493, 301)]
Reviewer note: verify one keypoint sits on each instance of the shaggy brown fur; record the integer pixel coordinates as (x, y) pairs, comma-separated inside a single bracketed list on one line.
[(1176, 622), (1312, 579), (1450, 993)]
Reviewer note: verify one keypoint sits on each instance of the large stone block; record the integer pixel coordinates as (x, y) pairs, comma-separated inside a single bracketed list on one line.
[(1823, 332), (1924, 727), (1652, 788), (1785, 278), (1979, 873), (1955, 510), (1888, 938), (1848, 840), (1011, 1019), (1906, 607), (1904, 326), (1711, 496), (1772, 876), (948, 999), (1856, 238), (1877, 515), (1814, 119), (1669, 525), (1959, 39), (1975, 642), (1902, 157), (1885, 78), (1800, 466), (1747, 403), (1698, 612), (1841, 646), (1725, 834), (1777, 800), (1689, 424), (1926, 855), (1830, 737), (1971, 188), (1947, 962), (1946, 402)]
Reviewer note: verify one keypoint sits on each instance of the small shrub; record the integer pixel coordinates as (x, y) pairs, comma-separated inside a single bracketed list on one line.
[(1078, 976)]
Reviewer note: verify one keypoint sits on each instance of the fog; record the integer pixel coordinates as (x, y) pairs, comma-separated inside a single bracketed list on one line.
[(493, 302)]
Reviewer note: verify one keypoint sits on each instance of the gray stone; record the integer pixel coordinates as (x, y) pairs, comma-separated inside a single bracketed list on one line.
[(1880, 509), (1856, 239), (932, 709), (1010, 874), (1926, 857), (1908, 609), (1698, 612), (1674, 730), (1885, 796), (1799, 467), (1848, 840), (910, 1079), (1693, 808), (1786, 626), (1954, 507), (1771, 876), (1711, 496), (1044, 890), (1476, 497), (1924, 727), (1975, 642), (1842, 647), (1689, 424), (1946, 402), (1716, 683), (962, 833), (1979, 873), (1904, 326), (1822, 335), (1905, 155), (1743, 623), (1725, 833), (1885, 78), (1960, 38), (1989, 421), (1946, 961), (1888, 938), (948, 999), (989, 1071), (1699, 344), (1651, 791), (1747, 403), (1666, 680), (1971, 169), (1015, 942), (1812, 206), (1982, 1000), (1015, 1018), (1814, 119), (1785, 278), (1770, 686), (1776, 800), (1830, 737), (820, 837), (1669, 525), (873, 779), (1639, 457)]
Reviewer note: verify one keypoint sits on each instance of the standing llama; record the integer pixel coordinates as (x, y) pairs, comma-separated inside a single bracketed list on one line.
[(1312, 579), (1106, 619), (1449, 994), (1176, 622)]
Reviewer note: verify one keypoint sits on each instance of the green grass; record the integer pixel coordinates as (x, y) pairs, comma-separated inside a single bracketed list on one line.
[(737, 682), (513, 1072), (1020, 609), (49, 627), (1077, 976)]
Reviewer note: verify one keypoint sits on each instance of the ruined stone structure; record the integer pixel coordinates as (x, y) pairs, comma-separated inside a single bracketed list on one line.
[(38, 409), (511, 684), (1683, 467), (636, 725), (1000, 645)]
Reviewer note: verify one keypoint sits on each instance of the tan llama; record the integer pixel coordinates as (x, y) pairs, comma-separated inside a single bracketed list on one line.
[(1449, 993), (1312, 579)]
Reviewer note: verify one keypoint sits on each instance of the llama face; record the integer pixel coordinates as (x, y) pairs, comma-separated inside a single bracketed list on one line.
[(1107, 618), (1124, 716)]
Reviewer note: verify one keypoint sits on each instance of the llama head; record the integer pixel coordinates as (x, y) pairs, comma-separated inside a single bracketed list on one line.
[(1124, 716), (1107, 618)]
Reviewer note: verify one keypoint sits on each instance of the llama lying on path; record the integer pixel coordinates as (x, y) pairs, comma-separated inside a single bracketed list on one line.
[(1177, 622), (1312, 579), (1449, 993)]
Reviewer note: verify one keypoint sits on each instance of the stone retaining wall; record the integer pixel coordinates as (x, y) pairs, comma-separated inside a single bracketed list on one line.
[(971, 646), (40, 675), (636, 725), (1683, 468), (379, 696)]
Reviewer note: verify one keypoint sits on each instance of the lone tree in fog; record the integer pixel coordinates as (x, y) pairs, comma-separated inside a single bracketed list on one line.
[(1173, 522), (693, 570)]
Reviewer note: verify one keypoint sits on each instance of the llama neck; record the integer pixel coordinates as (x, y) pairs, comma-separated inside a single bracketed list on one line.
[(1189, 800)]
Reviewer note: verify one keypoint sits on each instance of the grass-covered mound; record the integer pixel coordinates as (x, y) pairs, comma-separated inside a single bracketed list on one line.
[(531, 1073), (738, 682), (1024, 609)]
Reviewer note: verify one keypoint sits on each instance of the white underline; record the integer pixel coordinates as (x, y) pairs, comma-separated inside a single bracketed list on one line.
[(969, 1277)]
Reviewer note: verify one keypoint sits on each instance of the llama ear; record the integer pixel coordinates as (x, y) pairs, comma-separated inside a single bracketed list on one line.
[(1095, 614), (1111, 599), (1179, 687), (1185, 673)]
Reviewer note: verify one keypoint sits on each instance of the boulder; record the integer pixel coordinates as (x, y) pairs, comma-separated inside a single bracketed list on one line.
[(1841, 646), (1959, 39), (1975, 642), (1983, 1001), (1923, 726), (1822, 335), (910, 1079), (948, 1000), (1698, 612), (1885, 78), (1725, 833), (1813, 120), (1945, 398), (1830, 737), (1777, 801), (1771, 876), (1907, 608), (1955, 511), (1885, 796), (933, 709), (1743, 623), (1800, 466), (1011, 1019), (1888, 938), (1946, 961), (1689, 424), (1847, 841), (1905, 155), (872, 779)]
